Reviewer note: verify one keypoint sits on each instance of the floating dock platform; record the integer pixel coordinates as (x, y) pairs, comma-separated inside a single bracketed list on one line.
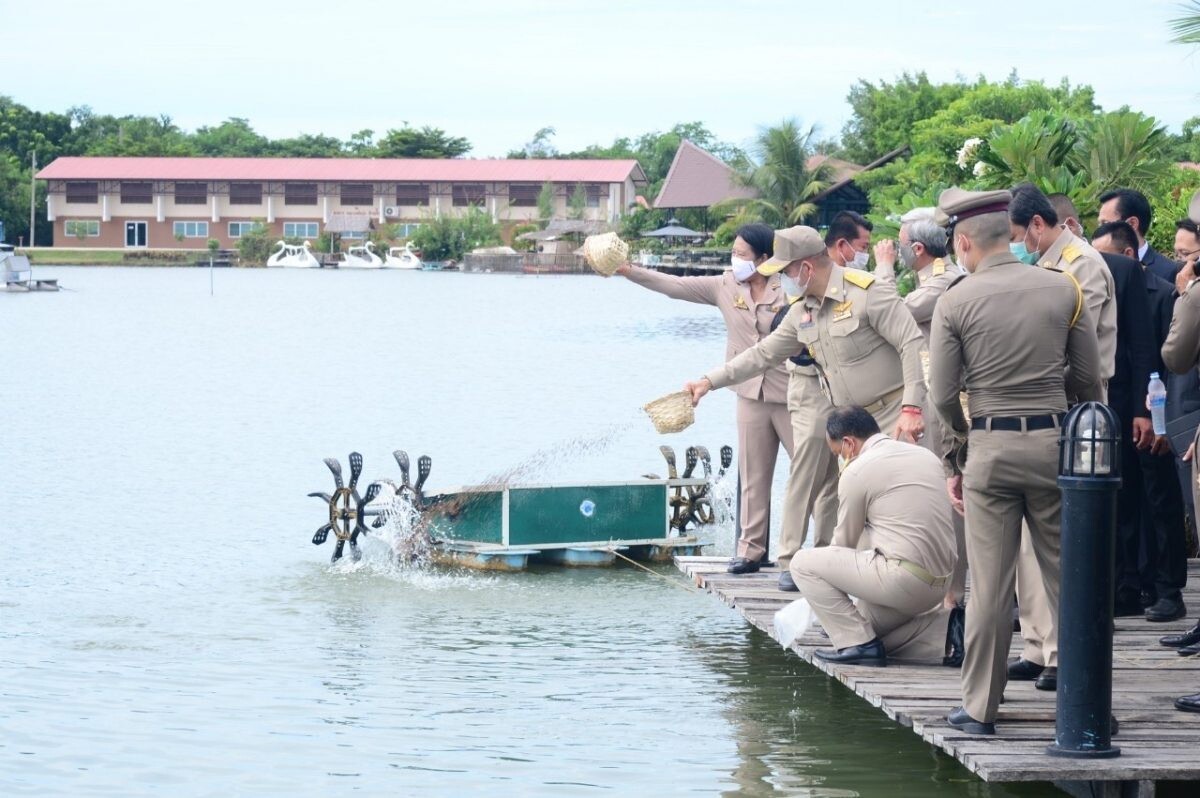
[(1159, 744)]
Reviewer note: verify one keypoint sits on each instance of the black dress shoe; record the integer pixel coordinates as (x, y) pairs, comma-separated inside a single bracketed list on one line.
[(1188, 703), (1022, 670), (786, 582), (955, 632), (742, 565), (871, 654), (1189, 651), (959, 719), (1166, 609), (1048, 680), (1189, 638)]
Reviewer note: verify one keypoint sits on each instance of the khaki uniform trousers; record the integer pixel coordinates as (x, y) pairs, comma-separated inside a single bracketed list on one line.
[(1009, 477), (1039, 626), (812, 478), (761, 427), (893, 604)]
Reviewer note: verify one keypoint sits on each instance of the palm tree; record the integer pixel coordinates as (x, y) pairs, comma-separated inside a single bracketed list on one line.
[(780, 175), (1187, 27)]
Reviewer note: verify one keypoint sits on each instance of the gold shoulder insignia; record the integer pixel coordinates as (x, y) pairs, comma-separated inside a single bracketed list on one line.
[(793, 299), (939, 268), (860, 278), (1071, 253)]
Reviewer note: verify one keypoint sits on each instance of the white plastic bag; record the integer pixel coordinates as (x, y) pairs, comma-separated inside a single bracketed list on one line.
[(792, 622)]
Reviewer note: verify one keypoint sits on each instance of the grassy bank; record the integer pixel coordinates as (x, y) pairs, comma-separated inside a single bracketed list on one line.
[(114, 257)]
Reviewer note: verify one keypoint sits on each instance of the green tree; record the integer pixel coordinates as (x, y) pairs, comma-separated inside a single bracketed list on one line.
[(577, 202), (426, 142), (780, 175), (232, 138), (540, 146), (451, 237), (545, 203), (1187, 26), (307, 146), (884, 115), (255, 244)]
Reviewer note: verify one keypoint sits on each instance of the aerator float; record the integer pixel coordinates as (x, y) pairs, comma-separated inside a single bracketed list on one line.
[(504, 526)]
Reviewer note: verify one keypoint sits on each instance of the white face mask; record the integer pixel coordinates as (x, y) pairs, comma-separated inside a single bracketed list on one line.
[(792, 287), (742, 268), (861, 259)]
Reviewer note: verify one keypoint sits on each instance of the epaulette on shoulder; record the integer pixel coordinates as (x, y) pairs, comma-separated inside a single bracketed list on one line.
[(793, 299), (1071, 253), (939, 268), (956, 281), (860, 278)]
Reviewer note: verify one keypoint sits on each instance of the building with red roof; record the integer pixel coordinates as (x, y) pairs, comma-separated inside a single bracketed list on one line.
[(183, 202)]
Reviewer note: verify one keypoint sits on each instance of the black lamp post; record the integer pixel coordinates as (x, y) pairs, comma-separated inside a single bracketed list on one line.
[(1089, 476)]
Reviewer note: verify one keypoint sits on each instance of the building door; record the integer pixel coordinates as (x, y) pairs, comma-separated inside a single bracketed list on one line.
[(135, 234)]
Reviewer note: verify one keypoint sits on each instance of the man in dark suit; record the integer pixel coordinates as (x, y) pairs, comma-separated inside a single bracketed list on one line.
[(1150, 528), (1131, 206)]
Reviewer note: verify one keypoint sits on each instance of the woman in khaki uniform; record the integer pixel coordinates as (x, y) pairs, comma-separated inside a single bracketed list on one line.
[(748, 301)]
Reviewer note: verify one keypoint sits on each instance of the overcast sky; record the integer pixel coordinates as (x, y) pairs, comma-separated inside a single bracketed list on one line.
[(497, 71)]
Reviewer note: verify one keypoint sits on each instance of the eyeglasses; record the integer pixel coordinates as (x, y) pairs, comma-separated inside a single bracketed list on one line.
[(1182, 255)]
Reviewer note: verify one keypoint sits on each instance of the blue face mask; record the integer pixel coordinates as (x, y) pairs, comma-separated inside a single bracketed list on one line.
[(1022, 253)]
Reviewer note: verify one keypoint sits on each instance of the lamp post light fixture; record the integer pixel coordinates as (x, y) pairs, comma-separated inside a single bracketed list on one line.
[(1089, 476)]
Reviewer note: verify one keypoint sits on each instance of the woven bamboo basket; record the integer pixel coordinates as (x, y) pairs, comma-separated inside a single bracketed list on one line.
[(671, 413), (605, 253)]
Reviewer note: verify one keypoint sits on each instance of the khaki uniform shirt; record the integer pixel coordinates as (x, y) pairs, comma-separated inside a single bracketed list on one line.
[(865, 343), (1077, 258), (1008, 334), (892, 498), (1181, 350), (746, 321), (932, 282)]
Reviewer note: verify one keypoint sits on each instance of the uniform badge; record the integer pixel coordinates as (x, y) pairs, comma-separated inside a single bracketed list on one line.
[(806, 320), (842, 310), (740, 303)]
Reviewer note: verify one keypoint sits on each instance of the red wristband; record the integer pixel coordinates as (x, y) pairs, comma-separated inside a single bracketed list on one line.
[(914, 410)]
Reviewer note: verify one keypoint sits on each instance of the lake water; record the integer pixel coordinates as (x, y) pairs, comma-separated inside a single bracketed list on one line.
[(167, 628)]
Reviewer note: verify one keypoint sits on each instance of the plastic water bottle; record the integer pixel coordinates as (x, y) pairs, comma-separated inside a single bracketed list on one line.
[(1158, 404)]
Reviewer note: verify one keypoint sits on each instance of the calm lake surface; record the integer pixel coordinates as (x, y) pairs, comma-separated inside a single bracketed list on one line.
[(167, 628)]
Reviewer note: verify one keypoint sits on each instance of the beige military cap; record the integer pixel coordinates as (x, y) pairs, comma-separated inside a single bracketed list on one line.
[(794, 243), (958, 204), (1194, 208)]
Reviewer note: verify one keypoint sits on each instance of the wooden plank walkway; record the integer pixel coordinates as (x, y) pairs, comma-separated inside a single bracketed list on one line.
[(1157, 742)]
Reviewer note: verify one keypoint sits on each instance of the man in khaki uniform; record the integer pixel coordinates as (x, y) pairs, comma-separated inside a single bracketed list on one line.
[(1047, 243), (1019, 340), (893, 549), (922, 249), (749, 302), (1181, 353)]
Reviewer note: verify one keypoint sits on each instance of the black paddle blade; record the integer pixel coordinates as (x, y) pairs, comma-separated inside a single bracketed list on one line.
[(705, 460), (355, 468), (689, 459), (336, 467), (378, 522), (402, 461), (325, 497), (321, 535), (337, 551), (669, 455), (372, 491), (424, 466), (726, 456)]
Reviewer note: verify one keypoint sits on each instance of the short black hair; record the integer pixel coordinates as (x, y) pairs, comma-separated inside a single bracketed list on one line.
[(759, 237), (1029, 201), (1131, 202), (845, 225), (1190, 226), (850, 422), (1122, 234)]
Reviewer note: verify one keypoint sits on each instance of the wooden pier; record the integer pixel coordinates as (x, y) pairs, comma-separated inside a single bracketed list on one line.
[(1160, 746)]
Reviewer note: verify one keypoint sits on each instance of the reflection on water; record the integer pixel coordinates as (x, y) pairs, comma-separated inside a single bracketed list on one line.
[(166, 628)]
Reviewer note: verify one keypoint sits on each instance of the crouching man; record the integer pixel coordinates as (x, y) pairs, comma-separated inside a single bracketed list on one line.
[(893, 550)]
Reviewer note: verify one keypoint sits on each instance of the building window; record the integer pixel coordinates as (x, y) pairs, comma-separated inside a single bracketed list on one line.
[(137, 193), (82, 228), (300, 194), (191, 229), (245, 193), (239, 229), (406, 230), (467, 194), (358, 194), (300, 230), (354, 235), (412, 194), (593, 195), (191, 193), (523, 195), (83, 192)]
